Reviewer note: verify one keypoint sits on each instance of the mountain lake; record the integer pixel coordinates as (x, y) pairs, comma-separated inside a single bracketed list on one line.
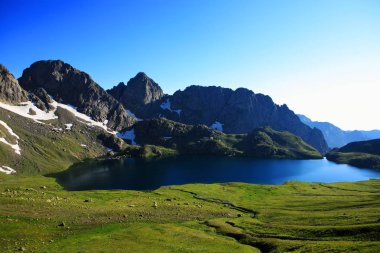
[(139, 174)]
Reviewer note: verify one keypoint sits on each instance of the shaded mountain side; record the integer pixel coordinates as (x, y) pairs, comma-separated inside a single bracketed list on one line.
[(200, 139), (236, 112), (364, 154), (72, 86), (336, 137), (139, 92), (10, 90)]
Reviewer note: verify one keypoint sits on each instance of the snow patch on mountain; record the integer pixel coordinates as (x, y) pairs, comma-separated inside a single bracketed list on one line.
[(133, 115), (84, 117), (9, 129), (68, 126), (217, 126), (16, 146), (128, 135), (7, 170), (167, 106), (24, 110)]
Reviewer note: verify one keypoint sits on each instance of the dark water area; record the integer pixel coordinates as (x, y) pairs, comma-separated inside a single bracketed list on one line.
[(138, 174)]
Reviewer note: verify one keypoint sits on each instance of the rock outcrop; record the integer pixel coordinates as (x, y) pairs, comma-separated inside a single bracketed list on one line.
[(72, 86), (10, 90), (139, 92), (41, 99)]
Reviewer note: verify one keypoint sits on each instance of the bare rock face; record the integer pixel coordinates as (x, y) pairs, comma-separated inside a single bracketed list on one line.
[(139, 92), (41, 99), (72, 86), (10, 90), (238, 111)]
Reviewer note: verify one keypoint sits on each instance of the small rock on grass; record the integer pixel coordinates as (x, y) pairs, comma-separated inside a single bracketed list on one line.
[(62, 224)]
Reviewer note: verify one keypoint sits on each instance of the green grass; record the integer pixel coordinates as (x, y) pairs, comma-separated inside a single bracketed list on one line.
[(231, 217), (44, 150), (4, 133)]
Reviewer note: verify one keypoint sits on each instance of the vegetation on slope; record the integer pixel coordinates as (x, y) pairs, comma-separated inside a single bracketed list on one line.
[(364, 154), (48, 147), (199, 139), (37, 215)]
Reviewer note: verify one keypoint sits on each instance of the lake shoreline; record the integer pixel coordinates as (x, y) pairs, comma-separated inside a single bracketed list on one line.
[(142, 174)]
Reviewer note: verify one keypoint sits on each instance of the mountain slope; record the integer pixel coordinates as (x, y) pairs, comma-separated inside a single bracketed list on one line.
[(200, 139), (10, 90), (336, 137), (71, 86), (47, 146), (235, 112), (364, 154)]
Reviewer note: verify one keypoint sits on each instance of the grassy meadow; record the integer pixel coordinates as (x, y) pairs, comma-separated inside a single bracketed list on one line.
[(37, 215)]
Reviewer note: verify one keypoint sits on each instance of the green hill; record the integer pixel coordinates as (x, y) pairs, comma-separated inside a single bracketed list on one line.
[(364, 154), (200, 139)]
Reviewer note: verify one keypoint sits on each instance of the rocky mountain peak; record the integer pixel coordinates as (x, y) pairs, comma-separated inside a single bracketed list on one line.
[(69, 85), (143, 89), (139, 92), (142, 76), (10, 90)]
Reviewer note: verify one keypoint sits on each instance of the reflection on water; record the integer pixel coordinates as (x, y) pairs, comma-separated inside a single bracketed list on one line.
[(139, 174)]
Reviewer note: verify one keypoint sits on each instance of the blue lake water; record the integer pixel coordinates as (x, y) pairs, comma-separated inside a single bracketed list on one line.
[(139, 174)]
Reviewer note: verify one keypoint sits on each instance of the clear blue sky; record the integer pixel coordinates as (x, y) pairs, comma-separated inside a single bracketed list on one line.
[(321, 57)]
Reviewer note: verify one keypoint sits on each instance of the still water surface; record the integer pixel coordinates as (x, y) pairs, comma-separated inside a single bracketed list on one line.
[(138, 174)]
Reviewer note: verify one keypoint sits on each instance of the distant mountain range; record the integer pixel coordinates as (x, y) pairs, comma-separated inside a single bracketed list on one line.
[(337, 137)]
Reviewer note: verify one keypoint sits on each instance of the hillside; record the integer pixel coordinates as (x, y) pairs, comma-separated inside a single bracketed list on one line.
[(49, 146), (237, 111), (200, 139), (365, 154)]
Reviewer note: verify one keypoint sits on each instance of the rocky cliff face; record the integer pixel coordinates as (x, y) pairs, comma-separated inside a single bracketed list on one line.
[(41, 99), (10, 90), (239, 111), (139, 92), (72, 86)]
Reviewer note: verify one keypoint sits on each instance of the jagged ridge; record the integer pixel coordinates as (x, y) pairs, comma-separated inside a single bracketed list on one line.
[(72, 86)]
